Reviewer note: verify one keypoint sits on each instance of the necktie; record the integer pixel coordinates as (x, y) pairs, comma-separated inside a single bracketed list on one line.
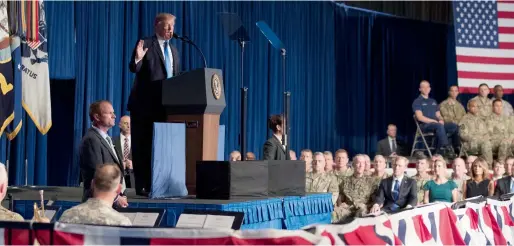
[(394, 145), (167, 60), (109, 140), (126, 149), (396, 190)]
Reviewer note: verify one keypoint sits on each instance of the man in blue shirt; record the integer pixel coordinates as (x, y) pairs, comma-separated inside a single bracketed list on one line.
[(427, 113)]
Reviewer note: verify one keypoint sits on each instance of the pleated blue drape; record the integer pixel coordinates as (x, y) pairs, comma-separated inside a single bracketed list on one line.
[(350, 72)]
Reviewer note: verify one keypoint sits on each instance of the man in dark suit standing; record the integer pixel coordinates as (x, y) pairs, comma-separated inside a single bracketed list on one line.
[(396, 192), (389, 146), (154, 59), (505, 185), (96, 147), (273, 148), (123, 143)]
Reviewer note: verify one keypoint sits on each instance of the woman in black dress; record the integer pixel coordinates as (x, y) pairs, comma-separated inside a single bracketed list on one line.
[(479, 184)]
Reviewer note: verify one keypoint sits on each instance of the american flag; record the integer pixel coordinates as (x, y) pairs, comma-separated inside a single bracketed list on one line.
[(484, 40)]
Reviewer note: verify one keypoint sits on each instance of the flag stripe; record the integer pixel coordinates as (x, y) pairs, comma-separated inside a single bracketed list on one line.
[(505, 14), (505, 22), (506, 29), (503, 6), (508, 38), (509, 46), (492, 68), (485, 75), (484, 52), (485, 60)]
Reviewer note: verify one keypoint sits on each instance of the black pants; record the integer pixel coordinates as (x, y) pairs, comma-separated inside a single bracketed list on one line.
[(141, 124)]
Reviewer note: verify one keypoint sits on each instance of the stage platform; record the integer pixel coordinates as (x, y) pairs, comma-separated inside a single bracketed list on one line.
[(260, 213)]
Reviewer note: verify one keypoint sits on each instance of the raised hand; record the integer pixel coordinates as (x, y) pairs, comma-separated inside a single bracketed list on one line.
[(140, 51)]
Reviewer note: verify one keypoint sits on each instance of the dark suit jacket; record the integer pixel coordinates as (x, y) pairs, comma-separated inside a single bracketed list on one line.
[(383, 147), (118, 146), (93, 151), (149, 72), (408, 193), (502, 186), (273, 150)]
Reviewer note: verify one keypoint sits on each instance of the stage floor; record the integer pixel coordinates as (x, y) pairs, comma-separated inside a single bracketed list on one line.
[(292, 212)]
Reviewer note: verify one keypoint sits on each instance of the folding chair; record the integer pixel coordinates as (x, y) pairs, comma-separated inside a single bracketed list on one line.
[(421, 137)]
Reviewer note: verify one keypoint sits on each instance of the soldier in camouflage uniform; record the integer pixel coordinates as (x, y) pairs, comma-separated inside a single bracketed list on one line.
[(355, 193), (306, 155), (507, 107), (474, 133), (379, 172), (341, 169), (499, 131), (6, 214), (451, 109), (484, 104), (98, 209), (421, 177), (319, 181)]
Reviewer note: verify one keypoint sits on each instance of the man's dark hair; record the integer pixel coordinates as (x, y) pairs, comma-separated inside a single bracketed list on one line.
[(274, 121)]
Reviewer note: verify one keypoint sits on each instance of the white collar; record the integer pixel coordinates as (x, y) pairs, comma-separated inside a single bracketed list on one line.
[(398, 178), (102, 133)]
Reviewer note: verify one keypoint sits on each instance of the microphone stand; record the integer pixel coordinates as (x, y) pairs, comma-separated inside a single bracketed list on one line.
[(189, 41), (244, 100), (287, 100)]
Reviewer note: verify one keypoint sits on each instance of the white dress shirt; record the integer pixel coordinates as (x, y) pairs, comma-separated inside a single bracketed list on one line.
[(391, 140)]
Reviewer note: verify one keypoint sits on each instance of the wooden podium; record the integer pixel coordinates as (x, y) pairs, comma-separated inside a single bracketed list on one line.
[(197, 99)]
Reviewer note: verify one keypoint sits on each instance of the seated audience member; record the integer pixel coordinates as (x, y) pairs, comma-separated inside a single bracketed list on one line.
[(98, 209), (431, 163), (329, 161), (235, 156), (6, 214), (508, 165), (274, 148), (306, 155), (367, 170), (451, 109), (499, 131), (505, 185), (396, 192), (469, 163), (459, 175), (498, 95), (421, 177), (250, 156), (341, 169), (479, 184), (354, 192), (440, 188), (389, 146), (320, 181), (484, 104), (380, 166), (428, 115), (498, 170), (292, 155), (474, 133)]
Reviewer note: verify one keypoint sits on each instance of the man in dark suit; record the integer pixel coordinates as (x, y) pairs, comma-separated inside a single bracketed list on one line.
[(389, 146), (273, 148), (96, 147), (123, 143), (396, 192), (504, 185), (154, 59)]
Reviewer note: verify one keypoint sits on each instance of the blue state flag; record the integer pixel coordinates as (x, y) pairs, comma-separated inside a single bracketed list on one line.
[(13, 129), (6, 85)]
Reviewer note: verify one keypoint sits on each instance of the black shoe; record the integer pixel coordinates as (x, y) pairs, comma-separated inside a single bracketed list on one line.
[(449, 153), (142, 192)]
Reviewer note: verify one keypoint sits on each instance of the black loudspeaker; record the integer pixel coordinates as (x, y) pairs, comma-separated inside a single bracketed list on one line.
[(223, 180), (286, 178)]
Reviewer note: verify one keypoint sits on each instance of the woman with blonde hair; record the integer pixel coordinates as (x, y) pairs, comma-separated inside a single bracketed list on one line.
[(479, 184), (440, 188)]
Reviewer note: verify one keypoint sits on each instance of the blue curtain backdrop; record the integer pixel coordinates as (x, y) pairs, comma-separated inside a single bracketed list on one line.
[(350, 71)]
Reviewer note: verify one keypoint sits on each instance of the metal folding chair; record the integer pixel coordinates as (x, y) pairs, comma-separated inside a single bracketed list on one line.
[(421, 138)]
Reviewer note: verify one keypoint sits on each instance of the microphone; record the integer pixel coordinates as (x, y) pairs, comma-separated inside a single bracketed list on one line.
[(189, 41)]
